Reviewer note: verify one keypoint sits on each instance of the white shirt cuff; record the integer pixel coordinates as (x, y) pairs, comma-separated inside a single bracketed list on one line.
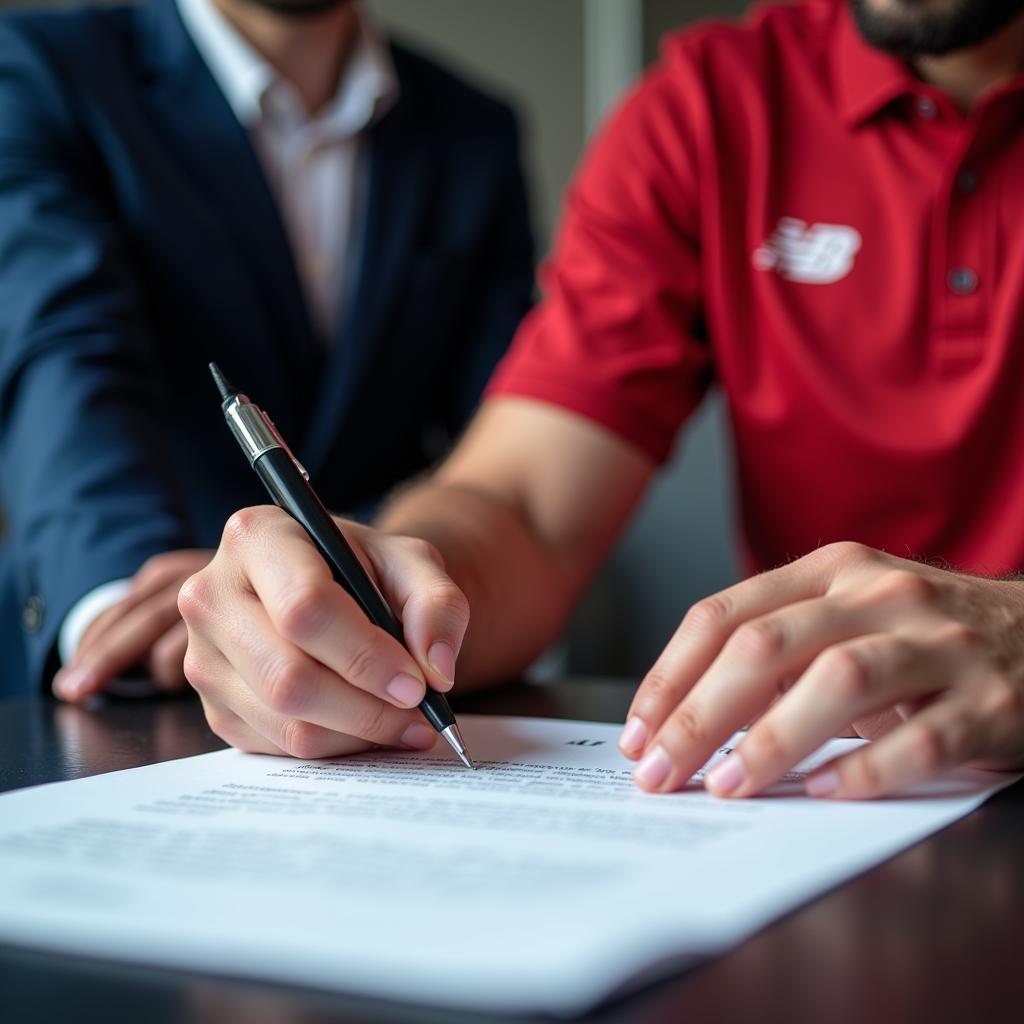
[(81, 616)]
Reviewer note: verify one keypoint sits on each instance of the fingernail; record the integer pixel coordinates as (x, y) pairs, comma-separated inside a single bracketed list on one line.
[(418, 737), (727, 776), (442, 660), (406, 690), (70, 683), (822, 785), (653, 770), (634, 736)]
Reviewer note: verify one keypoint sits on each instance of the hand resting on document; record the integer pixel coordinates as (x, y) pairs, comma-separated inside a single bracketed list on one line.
[(926, 662)]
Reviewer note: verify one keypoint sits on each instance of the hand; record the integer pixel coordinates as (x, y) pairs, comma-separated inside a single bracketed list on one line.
[(926, 662), (143, 628), (285, 661)]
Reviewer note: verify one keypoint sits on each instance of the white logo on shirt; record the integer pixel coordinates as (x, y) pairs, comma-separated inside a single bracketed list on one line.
[(819, 254)]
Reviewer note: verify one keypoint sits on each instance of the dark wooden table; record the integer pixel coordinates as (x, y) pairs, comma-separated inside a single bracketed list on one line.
[(936, 934)]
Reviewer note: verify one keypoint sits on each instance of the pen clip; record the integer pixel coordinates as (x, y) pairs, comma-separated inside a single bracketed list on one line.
[(284, 444)]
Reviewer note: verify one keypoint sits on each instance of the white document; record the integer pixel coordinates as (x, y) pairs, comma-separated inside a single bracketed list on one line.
[(541, 882)]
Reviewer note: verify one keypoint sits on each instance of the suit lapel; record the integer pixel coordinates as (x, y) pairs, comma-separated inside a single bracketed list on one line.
[(206, 136), (397, 192)]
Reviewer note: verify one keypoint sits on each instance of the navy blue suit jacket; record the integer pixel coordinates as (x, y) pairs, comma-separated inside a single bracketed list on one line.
[(139, 241)]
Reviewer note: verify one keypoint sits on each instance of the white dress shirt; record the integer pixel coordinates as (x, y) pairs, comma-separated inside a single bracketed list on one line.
[(316, 169), (313, 164)]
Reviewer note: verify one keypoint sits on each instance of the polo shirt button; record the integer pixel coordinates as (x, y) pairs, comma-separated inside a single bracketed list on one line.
[(927, 107), (962, 280), (32, 613), (967, 181)]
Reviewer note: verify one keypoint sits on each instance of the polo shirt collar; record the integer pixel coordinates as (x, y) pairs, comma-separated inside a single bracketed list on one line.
[(867, 80), (368, 87)]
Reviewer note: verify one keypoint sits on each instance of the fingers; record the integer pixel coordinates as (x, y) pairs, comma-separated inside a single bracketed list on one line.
[(433, 610), (309, 609), (132, 628), (233, 731), (710, 623), (167, 658), (912, 655), (282, 647), (290, 698), (315, 743), (756, 663), (130, 631), (848, 681), (979, 723), (947, 733)]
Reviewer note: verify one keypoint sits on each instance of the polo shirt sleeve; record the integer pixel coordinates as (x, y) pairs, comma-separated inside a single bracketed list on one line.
[(618, 336)]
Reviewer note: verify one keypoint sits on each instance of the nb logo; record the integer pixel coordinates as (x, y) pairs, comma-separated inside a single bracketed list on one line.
[(819, 254)]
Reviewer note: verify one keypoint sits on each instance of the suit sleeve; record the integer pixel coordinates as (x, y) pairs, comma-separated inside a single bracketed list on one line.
[(87, 489), (506, 277)]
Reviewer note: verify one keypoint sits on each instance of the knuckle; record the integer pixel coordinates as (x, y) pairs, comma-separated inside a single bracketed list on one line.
[(151, 566), (421, 549), (372, 723), (301, 609), (763, 746), (224, 725), (361, 660), (195, 669), (905, 586), (928, 746), (242, 524), (686, 724), (961, 637), (758, 640), (194, 597), (845, 674), (708, 614), (861, 775), (448, 601), (657, 689), (842, 553), (284, 685), (1004, 700), (302, 739)]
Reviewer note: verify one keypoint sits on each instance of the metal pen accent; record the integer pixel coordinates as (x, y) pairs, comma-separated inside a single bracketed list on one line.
[(288, 484)]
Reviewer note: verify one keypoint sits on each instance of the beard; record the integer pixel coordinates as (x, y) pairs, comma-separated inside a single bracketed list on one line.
[(920, 28), (299, 8)]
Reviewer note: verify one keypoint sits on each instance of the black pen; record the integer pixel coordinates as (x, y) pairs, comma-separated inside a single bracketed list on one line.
[(288, 484)]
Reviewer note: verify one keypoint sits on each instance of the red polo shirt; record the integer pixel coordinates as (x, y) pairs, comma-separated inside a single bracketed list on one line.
[(784, 210)]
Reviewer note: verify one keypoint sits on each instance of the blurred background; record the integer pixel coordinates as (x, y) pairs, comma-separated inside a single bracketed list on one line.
[(562, 63)]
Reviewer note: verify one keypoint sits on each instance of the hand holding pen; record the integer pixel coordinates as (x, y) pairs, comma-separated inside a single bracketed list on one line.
[(269, 676)]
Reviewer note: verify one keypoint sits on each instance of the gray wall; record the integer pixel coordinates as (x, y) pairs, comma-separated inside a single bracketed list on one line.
[(528, 51)]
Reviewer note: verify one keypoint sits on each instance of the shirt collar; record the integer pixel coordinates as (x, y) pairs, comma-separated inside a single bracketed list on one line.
[(867, 80), (368, 87)]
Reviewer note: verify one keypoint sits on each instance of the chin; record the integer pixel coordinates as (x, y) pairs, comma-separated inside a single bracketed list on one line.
[(912, 28)]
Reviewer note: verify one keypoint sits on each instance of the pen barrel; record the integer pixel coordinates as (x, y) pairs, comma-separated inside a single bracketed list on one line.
[(291, 492)]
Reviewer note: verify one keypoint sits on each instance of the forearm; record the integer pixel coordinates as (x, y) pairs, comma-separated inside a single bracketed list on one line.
[(519, 593)]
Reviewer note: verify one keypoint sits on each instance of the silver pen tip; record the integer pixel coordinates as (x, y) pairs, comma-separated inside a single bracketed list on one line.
[(454, 738)]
